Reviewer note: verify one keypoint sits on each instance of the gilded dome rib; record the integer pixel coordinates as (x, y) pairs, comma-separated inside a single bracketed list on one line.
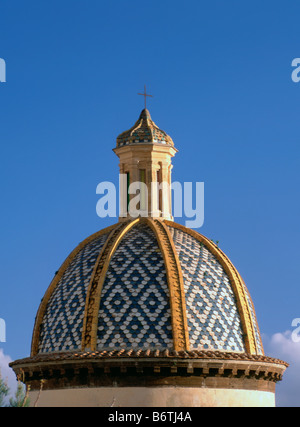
[(175, 283)]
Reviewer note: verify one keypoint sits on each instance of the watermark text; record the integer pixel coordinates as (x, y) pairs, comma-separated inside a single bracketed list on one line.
[(2, 330), (2, 71), (156, 200), (296, 71), (296, 332)]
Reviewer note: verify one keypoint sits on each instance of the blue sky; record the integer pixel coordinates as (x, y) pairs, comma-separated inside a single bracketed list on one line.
[(220, 74)]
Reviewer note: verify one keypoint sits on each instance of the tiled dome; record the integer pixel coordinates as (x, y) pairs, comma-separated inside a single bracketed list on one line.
[(144, 131), (145, 285)]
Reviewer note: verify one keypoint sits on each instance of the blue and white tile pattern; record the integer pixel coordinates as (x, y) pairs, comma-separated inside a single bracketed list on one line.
[(135, 306), (61, 328), (213, 320)]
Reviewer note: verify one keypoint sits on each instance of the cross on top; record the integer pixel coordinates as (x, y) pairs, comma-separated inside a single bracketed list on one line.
[(145, 95)]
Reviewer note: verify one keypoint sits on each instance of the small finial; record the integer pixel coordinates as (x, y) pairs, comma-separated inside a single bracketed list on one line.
[(145, 95)]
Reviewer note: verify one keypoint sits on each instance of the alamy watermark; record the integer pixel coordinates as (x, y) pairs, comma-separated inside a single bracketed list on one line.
[(2, 71), (2, 330), (187, 200), (296, 71), (296, 332)]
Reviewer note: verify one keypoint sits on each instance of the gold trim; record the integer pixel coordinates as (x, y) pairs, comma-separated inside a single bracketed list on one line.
[(236, 282), (254, 320), (175, 284), (90, 323), (54, 283)]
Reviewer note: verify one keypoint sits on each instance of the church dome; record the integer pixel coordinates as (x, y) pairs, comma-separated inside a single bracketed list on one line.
[(147, 284)]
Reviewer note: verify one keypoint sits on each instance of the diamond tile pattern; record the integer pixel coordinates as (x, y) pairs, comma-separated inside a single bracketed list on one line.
[(61, 328), (135, 304), (135, 308), (213, 319)]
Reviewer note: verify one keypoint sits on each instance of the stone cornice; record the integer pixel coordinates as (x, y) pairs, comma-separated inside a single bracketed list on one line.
[(149, 368)]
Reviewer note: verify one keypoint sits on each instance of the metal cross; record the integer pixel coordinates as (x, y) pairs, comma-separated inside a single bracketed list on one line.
[(145, 95)]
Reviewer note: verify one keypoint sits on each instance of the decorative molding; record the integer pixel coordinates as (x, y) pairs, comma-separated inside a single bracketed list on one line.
[(66, 356), (151, 368)]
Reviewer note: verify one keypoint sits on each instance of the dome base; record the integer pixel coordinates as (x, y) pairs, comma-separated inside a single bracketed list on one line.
[(157, 397), (150, 378)]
